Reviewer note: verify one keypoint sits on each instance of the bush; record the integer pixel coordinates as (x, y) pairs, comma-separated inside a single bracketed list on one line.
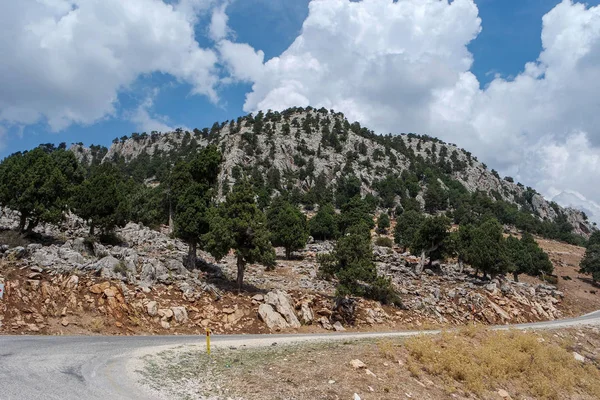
[(384, 241)]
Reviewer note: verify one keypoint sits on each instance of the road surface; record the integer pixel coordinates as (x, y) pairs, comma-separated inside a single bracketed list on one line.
[(100, 367)]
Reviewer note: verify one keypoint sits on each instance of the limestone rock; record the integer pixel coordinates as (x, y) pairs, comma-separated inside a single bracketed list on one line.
[(99, 287), (338, 327), (306, 314), (180, 314), (272, 318), (357, 364), (282, 302), (152, 308)]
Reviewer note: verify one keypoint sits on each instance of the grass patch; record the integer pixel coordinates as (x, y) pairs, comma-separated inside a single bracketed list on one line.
[(485, 360)]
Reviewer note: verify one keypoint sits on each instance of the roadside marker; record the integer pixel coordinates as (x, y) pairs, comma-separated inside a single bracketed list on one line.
[(208, 341)]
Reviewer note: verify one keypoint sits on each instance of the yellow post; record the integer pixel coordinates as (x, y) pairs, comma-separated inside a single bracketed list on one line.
[(208, 341)]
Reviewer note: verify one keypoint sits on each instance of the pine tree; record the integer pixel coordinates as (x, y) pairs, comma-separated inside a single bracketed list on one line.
[(323, 226), (288, 226), (407, 225), (591, 262), (383, 223), (193, 188), (238, 224), (487, 251), (38, 185), (101, 199)]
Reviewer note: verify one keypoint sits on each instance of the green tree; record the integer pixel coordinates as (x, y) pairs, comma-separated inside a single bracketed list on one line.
[(590, 264), (288, 226), (351, 262), (594, 239), (407, 225), (431, 236), (348, 187), (487, 251), (238, 224), (436, 198), (520, 259), (541, 263), (38, 185), (323, 226), (101, 200), (194, 187), (383, 223), (355, 212)]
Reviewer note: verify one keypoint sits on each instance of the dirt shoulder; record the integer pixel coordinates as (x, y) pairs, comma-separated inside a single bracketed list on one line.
[(472, 363)]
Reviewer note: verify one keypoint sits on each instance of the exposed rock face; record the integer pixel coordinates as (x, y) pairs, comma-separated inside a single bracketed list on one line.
[(371, 160), (283, 304), (272, 318)]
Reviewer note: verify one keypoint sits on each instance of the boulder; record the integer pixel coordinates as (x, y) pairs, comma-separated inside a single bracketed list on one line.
[(180, 314), (165, 314), (272, 318), (99, 287), (283, 303), (106, 266), (338, 327), (152, 308), (306, 314)]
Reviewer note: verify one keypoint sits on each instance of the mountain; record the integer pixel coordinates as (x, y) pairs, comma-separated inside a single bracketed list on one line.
[(309, 153), (579, 202)]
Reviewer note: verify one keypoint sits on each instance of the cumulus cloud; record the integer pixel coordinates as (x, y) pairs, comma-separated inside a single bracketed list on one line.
[(70, 58), (144, 121), (218, 28), (404, 66)]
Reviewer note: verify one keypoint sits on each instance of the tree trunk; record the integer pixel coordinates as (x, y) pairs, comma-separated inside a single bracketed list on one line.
[(171, 223), (421, 264), (288, 253), (192, 256), (92, 228), (32, 224), (22, 221), (516, 276), (241, 266)]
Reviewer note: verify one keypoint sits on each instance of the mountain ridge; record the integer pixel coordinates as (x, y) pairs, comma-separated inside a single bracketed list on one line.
[(299, 149)]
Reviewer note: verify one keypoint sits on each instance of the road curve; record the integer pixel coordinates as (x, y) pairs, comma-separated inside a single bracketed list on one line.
[(98, 367)]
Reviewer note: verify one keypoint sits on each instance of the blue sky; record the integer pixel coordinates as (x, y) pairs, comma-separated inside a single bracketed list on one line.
[(510, 38), (90, 71)]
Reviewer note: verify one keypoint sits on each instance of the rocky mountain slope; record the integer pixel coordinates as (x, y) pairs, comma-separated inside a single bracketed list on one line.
[(66, 285), (304, 148)]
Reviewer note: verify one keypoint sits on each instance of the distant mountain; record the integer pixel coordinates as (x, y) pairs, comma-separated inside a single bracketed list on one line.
[(308, 152), (577, 201)]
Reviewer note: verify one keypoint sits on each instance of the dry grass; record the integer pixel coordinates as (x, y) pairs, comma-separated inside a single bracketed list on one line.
[(96, 325), (467, 364), (483, 360)]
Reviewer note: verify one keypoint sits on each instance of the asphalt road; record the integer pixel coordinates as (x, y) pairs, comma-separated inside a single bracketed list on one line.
[(100, 367)]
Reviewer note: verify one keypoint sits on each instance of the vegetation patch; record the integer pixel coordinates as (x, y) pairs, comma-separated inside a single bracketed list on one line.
[(485, 360)]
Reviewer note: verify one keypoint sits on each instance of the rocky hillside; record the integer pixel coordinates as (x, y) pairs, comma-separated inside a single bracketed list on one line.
[(60, 283), (308, 149)]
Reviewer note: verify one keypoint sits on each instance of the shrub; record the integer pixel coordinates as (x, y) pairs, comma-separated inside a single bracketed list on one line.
[(384, 241)]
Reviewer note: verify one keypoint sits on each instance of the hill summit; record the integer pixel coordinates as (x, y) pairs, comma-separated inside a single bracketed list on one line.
[(318, 154)]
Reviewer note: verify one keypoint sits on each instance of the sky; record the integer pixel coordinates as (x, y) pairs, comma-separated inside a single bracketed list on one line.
[(513, 81)]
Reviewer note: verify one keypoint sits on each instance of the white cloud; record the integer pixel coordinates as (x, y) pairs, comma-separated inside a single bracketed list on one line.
[(218, 28), (241, 61), (145, 122), (70, 58), (404, 67)]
